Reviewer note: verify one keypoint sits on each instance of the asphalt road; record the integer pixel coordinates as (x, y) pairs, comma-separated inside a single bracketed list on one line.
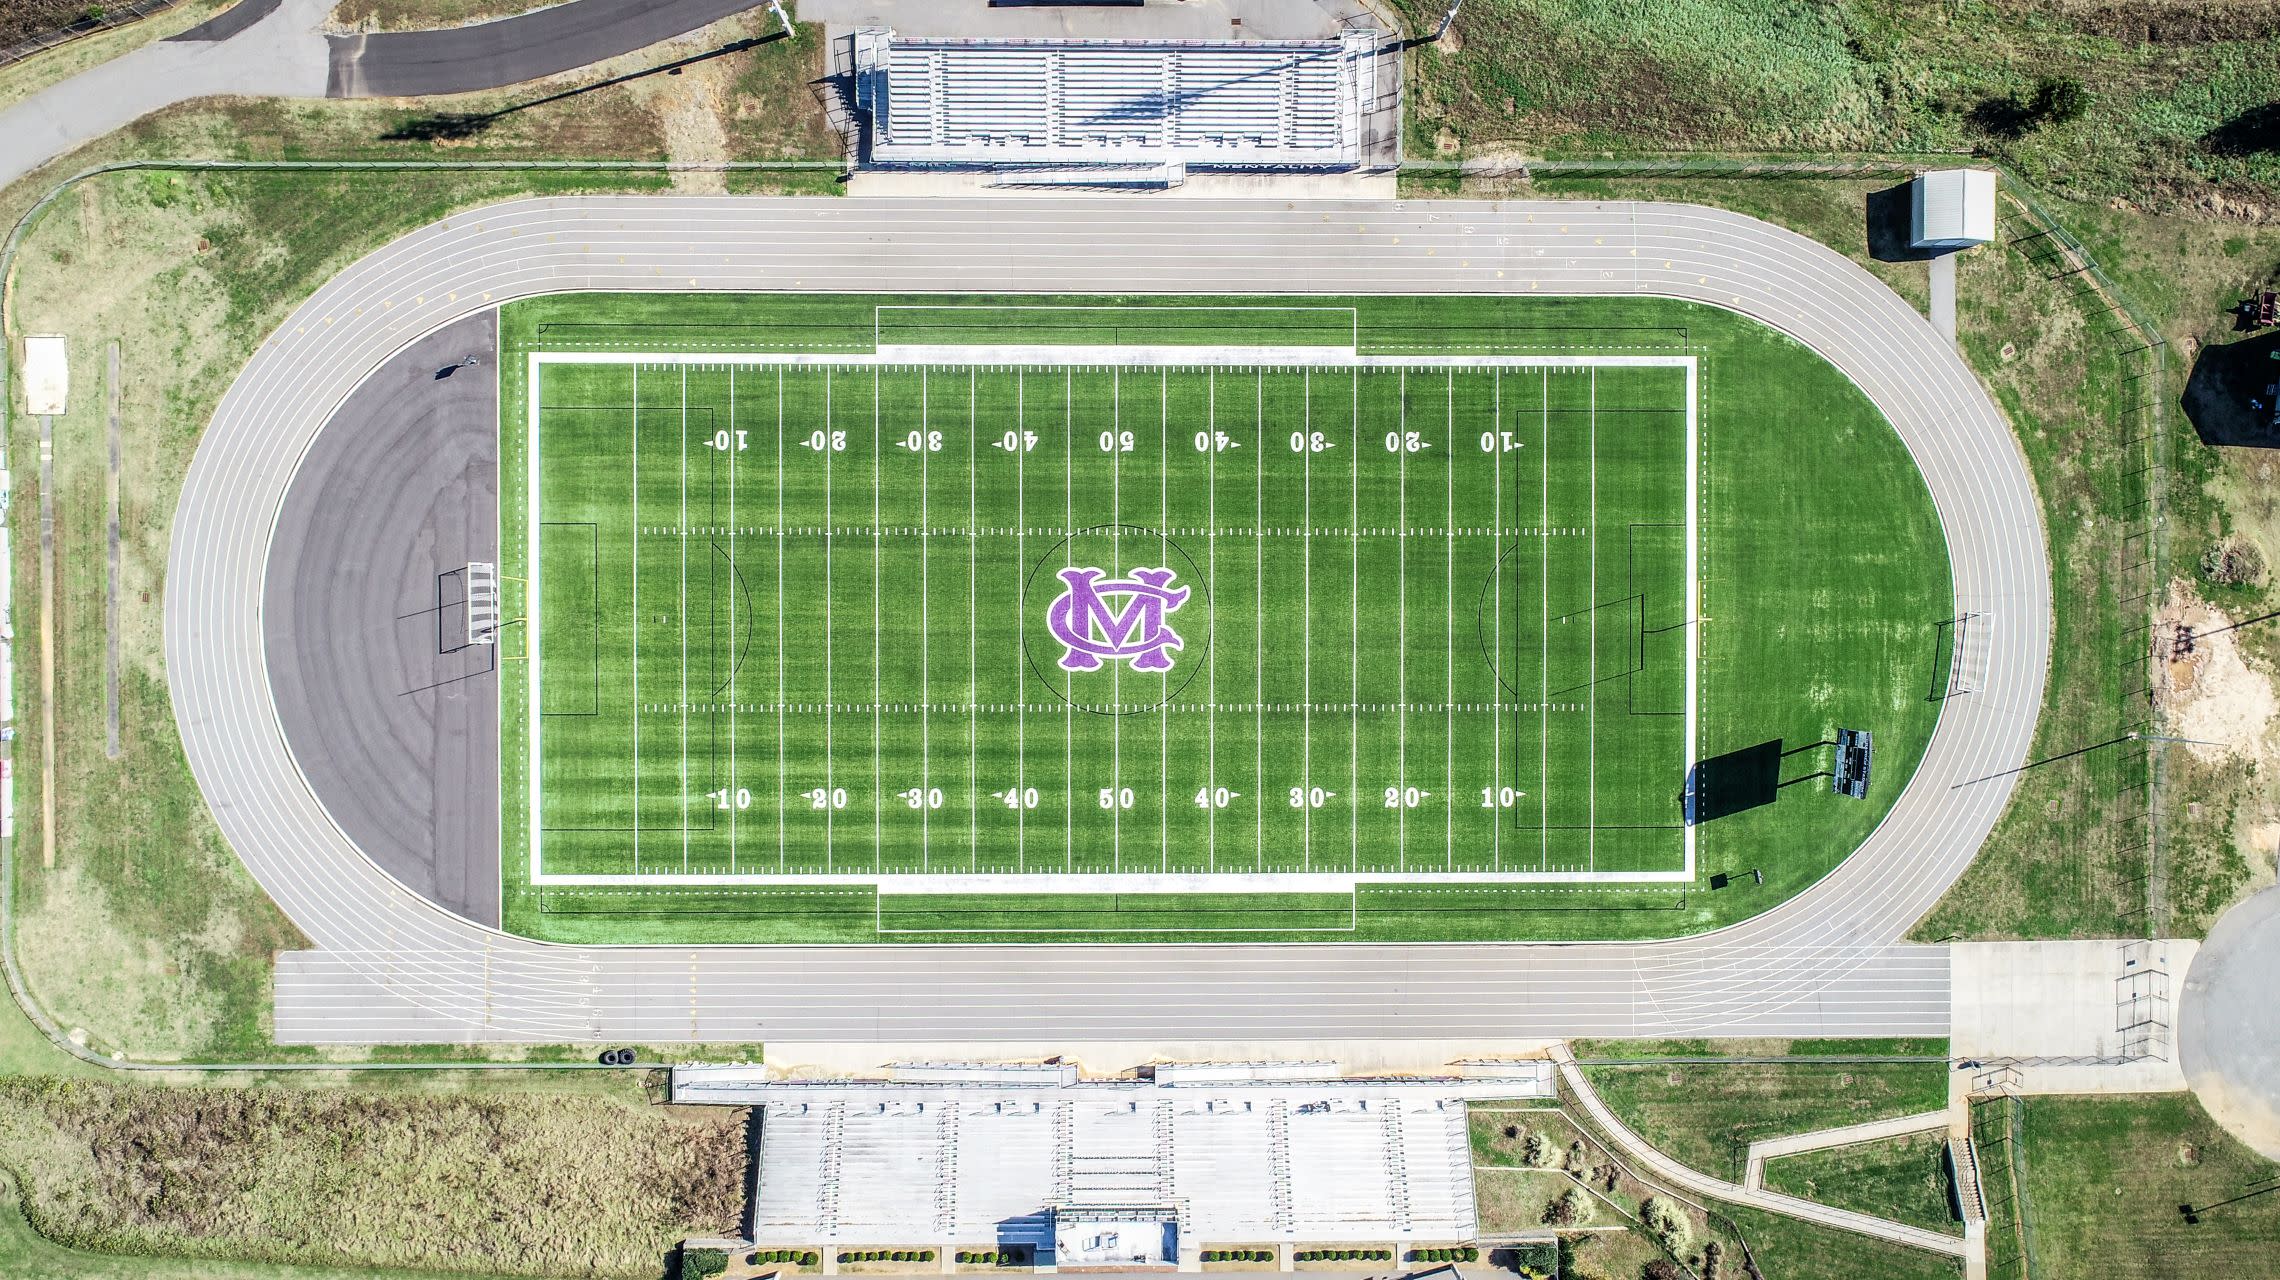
[(392, 715), (388, 966), (408, 64), (278, 48)]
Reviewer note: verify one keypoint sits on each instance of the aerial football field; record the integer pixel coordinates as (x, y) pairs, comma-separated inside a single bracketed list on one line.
[(950, 619)]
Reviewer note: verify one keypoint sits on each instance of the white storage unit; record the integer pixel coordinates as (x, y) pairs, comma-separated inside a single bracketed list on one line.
[(1952, 209)]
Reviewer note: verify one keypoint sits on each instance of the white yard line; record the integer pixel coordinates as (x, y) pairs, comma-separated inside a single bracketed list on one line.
[(1116, 669), (1021, 621), (830, 692), (925, 631), (1449, 607), (973, 632), (729, 783), (878, 784), (1544, 664), (1211, 624), (1068, 529), (683, 539), (636, 618), (1354, 635), (1259, 619), (783, 801), (1591, 687), (1306, 622), (1496, 639), (1401, 645), (1163, 716)]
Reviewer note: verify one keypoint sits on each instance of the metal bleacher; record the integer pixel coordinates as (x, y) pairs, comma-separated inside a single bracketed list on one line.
[(1048, 102), (1230, 1155)]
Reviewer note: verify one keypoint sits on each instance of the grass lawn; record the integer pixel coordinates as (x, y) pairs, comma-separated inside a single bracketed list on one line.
[(1793, 1249), (1706, 1116), (148, 933), (1865, 1047), (25, 1255), (2170, 113), (1479, 750), (597, 1186), (2103, 1178), (1904, 1179)]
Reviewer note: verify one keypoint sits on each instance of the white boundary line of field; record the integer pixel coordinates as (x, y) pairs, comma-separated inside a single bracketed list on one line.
[(1149, 357), (1353, 316)]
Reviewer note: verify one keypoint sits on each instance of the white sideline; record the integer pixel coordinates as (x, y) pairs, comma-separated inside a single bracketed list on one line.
[(926, 883)]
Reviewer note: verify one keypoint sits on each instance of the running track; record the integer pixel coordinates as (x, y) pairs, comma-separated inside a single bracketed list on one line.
[(388, 966)]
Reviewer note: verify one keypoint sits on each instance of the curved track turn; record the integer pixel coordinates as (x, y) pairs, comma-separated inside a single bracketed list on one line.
[(389, 966)]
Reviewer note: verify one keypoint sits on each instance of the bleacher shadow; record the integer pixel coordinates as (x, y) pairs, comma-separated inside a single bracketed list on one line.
[(1735, 782), (2222, 390)]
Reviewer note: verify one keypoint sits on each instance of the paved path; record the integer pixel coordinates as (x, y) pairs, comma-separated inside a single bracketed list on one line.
[(411, 64), (1696, 1183), (388, 966), (283, 52), (1753, 1175)]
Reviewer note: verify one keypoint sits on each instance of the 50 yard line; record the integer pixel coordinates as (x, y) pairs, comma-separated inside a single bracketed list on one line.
[(878, 799), (782, 801)]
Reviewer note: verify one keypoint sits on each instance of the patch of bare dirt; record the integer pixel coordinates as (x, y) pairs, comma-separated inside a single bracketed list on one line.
[(692, 109), (2173, 22), (2206, 690)]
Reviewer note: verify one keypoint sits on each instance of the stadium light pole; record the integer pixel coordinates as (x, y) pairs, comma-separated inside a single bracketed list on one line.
[(777, 7), (1446, 19)]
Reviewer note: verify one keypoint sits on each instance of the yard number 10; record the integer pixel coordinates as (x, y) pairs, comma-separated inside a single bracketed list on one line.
[(728, 440)]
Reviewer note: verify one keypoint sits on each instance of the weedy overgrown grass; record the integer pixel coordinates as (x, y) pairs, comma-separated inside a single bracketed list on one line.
[(554, 1186)]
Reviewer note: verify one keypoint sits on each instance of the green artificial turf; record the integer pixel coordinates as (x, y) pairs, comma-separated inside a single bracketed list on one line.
[(1436, 617)]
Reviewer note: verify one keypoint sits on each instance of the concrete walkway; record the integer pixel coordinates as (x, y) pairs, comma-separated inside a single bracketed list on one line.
[(2228, 1039), (1753, 1176), (278, 48), (1703, 1185), (283, 54), (1943, 295)]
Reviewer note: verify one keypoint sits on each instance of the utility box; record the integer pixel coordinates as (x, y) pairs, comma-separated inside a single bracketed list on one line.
[(1952, 209)]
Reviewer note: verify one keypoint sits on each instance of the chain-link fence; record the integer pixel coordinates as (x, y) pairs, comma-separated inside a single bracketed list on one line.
[(93, 19)]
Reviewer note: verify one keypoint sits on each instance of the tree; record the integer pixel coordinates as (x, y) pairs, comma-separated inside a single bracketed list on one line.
[(1667, 1221), (702, 1264), (1663, 1269), (1572, 1208), (2060, 100)]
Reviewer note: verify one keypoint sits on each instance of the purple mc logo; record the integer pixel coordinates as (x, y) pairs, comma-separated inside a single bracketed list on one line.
[(1132, 629)]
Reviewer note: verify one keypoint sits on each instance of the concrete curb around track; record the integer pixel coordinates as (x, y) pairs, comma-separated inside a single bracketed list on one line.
[(391, 967)]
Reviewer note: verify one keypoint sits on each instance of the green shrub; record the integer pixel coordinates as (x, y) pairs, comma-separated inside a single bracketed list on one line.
[(1668, 1222), (702, 1264), (1469, 1253)]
